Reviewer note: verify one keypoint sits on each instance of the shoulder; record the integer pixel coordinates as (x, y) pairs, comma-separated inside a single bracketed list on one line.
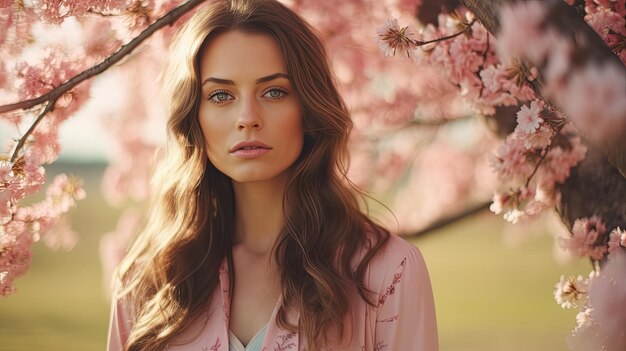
[(396, 259), (395, 251)]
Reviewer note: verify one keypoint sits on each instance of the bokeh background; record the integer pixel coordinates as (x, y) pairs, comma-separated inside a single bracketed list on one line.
[(491, 292)]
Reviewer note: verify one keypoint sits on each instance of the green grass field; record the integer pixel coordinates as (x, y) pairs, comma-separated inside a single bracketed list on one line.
[(489, 296)]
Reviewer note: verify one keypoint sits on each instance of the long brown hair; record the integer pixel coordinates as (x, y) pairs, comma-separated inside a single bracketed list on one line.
[(172, 267)]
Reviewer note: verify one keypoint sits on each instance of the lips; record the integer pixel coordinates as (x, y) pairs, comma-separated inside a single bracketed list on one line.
[(250, 145), (250, 149)]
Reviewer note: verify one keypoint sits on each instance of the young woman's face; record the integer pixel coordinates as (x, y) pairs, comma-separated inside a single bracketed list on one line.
[(249, 112)]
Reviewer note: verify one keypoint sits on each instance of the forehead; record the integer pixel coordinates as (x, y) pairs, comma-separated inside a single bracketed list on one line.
[(241, 55)]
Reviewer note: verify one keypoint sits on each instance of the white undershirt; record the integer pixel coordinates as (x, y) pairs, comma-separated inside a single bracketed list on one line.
[(254, 345)]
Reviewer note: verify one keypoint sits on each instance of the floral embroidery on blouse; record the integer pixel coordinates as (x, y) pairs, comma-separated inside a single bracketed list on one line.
[(390, 319), (391, 289), (208, 315), (380, 346), (225, 292), (226, 309), (217, 345), (284, 342)]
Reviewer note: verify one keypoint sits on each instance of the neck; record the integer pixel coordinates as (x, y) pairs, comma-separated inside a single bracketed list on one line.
[(259, 216)]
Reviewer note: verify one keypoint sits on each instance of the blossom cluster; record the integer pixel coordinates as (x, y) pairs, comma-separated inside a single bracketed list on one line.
[(538, 155), (56, 11), (44, 44), (21, 226), (471, 62), (600, 322), (592, 96), (391, 155), (528, 166), (34, 62)]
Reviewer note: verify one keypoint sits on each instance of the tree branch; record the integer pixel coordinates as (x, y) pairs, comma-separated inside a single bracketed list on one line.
[(449, 220), (30, 130), (486, 11), (53, 95), (468, 26)]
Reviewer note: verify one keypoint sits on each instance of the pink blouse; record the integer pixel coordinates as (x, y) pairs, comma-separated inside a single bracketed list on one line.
[(402, 319)]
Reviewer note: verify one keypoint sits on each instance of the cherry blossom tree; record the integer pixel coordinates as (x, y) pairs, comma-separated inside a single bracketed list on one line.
[(534, 127), (577, 118)]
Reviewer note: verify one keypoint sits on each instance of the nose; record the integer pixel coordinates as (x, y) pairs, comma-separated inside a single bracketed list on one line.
[(249, 117)]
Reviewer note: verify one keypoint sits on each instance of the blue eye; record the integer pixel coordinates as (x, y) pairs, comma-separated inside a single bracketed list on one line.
[(275, 93), (220, 97)]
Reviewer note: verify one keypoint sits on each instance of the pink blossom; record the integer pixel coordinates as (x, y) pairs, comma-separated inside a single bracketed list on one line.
[(584, 240), (61, 235), (607, 296), (610, 25), (620, 8), (55, 11), (516, 204), (595, 100), (559, 160), (558, 63), (529, 119), (100, 39), (24, 177), (500, 88), (617, 240), (6, 19), (465, 48), (540, 139), (46, 140), (492, 77), (512, 83), (15, 257), (585, 336), (27, 224), (64, 192), (569, 292), (31, 85), (53, 69), (583, 318), (510, 161), (392, 38), (521, 24), (3, 72)]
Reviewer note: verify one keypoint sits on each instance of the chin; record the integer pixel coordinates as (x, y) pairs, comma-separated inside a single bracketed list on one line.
[(253, 177)]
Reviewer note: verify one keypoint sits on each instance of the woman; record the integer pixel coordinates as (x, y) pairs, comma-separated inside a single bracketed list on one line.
[(255, 236)]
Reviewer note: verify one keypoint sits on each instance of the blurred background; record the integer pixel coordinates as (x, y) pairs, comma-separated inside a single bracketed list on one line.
[(492, 291)]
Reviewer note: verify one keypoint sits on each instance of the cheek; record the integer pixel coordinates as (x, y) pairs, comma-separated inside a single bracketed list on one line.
[(212, 131)]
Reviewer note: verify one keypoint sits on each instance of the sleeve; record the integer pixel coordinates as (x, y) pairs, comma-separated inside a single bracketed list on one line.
[(119, 323), (406, 310)]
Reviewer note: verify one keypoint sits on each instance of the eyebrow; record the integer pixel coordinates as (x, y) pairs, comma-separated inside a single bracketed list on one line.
[(260, 80)]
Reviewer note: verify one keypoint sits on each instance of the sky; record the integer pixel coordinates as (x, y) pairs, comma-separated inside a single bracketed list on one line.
[(83, 137)]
